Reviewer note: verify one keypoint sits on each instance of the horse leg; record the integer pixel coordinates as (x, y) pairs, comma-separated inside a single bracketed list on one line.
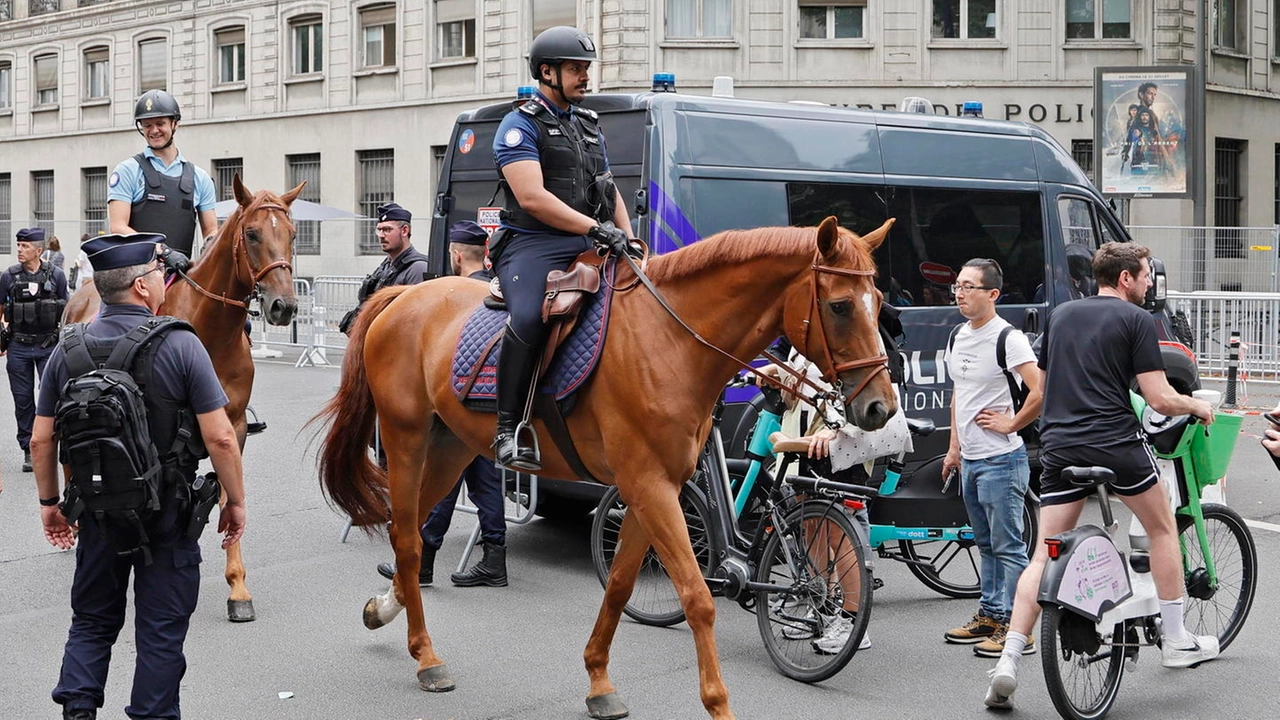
[(658, 509), (239, 601), (602, 699)]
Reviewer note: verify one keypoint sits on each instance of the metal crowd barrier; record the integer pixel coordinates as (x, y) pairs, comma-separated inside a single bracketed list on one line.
[(321, 304), (1212, 316)]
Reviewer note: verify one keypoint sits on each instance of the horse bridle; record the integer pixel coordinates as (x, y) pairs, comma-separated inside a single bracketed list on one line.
[(237, 251)]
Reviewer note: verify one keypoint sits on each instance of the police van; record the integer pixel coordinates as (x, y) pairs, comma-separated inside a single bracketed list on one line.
[(960, 188)]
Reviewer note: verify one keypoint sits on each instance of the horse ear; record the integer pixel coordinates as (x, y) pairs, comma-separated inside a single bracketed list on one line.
[(293, 194), (828, 237), (874, 238), (243, 196)]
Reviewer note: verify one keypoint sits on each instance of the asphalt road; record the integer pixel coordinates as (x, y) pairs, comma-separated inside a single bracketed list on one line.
[(516, 652)]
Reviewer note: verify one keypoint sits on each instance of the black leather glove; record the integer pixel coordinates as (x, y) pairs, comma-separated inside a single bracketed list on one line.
[(610, 238), (174, 260)]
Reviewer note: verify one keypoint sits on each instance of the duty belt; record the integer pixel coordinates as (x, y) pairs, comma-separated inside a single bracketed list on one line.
[(34, 339)]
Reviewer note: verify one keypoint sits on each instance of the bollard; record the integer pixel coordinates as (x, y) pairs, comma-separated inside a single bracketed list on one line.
[(1233, 369)]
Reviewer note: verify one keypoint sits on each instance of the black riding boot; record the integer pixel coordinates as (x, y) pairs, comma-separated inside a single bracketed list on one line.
[(491, 570), (516, 365), (426, 573)]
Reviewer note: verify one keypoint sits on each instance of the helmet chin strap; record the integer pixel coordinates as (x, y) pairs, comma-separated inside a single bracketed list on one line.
[(558, 85)]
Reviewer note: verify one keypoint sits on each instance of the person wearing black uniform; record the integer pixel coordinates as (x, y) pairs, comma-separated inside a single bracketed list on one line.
[(158, 190), (130, 279), (559, 199), (404, 265), (34, 293), (484, 487)]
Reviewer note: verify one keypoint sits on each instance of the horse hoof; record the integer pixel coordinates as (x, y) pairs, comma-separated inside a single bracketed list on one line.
[(370, 614), (240, 611), (435, 679), (607, 707)]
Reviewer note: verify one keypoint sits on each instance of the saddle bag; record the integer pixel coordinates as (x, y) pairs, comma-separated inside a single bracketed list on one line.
[(566, 290)]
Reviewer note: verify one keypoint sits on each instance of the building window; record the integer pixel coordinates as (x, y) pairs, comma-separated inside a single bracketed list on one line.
[(1082, 153), (550, 13), (42, 199), (378, 34), (97, 73), (377, 187), (308, 45), (456, 20), (699, 18), (6, 210), (964, 19), (6, 83), (40, 7), (1228, 197), (95, 199), (46, 80), (230, 44), (1084, 21), (6, 10), (832, 19), (1275, 219), (224, 175), (1275, 28), (1227, 23), (306, 167), (153, 65)]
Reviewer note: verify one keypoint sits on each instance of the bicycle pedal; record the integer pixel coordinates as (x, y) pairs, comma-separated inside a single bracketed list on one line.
[(877, 583)]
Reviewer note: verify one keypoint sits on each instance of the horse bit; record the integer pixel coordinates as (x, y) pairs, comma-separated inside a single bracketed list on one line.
[(236, 250)]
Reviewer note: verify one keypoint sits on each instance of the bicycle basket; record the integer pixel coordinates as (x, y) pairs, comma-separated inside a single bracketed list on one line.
[(1211, 448)]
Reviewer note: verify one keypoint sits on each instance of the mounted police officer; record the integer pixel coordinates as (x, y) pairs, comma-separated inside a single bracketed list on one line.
[(484, 487), (559, 199), (404, 265), (158, 190), (185, 415), (34, 293)]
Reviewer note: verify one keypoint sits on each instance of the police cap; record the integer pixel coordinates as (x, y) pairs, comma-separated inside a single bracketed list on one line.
[(392, 211), (109, 252), (31, 235), (466, 232)]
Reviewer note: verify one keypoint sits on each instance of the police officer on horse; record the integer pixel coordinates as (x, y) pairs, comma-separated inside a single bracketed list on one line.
[(559, 199)]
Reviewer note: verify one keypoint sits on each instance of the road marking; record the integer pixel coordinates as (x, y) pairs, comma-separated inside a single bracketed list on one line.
[(1259, 525)]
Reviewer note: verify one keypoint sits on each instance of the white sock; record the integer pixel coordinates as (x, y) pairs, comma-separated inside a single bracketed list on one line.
[(1014, 643), (1171, 617)]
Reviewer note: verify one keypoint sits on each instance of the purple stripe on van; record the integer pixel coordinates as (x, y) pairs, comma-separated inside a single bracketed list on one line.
[(669, 212)]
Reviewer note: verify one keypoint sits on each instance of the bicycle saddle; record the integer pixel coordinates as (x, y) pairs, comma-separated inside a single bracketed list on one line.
[(783, 443), (1087, 477), (920, 426)]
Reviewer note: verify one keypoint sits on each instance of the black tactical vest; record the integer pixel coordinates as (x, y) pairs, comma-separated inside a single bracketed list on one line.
[(168, 205), (573, 167), (33, 317)]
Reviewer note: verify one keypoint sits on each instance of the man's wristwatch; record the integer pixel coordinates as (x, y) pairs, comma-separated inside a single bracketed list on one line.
[(49, 502)]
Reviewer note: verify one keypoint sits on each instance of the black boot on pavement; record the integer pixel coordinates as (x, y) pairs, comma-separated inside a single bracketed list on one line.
[(26, 461), (426, 573), (79, 714), (491, 570), (517, 362)]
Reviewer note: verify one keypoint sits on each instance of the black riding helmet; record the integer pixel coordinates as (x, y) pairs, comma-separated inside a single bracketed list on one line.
[(154, 104), (557, 44)]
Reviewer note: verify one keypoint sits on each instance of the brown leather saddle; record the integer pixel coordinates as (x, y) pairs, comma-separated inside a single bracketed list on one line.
[(562, 301)]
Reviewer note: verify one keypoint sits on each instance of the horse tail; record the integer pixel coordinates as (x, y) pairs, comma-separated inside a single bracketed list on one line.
[(349, 478)]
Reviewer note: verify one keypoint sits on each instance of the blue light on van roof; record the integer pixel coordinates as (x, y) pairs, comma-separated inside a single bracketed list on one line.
[(524, 92), (664, 82), (972, 108)]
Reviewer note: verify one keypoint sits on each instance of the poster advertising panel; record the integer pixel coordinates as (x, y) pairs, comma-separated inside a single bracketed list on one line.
[(1141, 133)]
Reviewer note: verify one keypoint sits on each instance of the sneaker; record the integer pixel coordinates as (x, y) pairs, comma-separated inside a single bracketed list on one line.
[(1004, 681), (837, 636), (801, 621), (993, 646), (1202, 648), (976, 630)]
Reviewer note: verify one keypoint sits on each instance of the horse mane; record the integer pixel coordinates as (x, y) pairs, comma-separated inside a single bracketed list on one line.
[(734, 246)]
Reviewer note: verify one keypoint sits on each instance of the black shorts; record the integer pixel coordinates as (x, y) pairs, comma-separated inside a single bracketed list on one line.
[(1133, 463)]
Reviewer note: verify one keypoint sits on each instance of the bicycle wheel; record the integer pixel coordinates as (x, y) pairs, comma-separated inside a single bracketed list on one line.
[(952, 567), (654, 600), (1222, 610), (817, 557), (1082, 669)]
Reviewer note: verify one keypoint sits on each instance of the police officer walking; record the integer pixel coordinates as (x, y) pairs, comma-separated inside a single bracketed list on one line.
[(158, 190), (404, 265), (34, 293), (484, 487), (183, 398), (559, 198)]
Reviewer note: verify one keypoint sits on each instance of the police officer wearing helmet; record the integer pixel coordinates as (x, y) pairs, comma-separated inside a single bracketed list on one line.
[(181, 390), (158, 190), (404, 264), (34, 293), (559, 199)]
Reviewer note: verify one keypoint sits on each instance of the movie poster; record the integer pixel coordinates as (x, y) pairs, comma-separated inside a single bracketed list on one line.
[(1140, 131)]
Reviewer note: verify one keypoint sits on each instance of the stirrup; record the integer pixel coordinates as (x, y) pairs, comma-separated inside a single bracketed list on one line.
[(532, 462)]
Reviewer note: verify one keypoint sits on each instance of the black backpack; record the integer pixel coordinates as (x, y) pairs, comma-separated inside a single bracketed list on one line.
[(1018, 391), (117, 476)]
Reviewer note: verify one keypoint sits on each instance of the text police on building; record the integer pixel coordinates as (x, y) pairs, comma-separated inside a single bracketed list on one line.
[(559, 198), (133, 488), (404, 265), (34, 293)]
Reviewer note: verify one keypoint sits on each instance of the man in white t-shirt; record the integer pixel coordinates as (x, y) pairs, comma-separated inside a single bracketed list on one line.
[(986, 450)]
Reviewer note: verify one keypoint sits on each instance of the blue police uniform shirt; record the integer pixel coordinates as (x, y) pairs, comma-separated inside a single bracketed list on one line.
[(128, 184), (182, 373), (517, 137)]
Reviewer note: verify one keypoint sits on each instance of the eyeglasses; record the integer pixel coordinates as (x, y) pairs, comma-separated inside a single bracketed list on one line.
[(958, 289), (157, 268)]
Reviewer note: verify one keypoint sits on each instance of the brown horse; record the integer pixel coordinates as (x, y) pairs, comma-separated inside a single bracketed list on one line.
[(639, 423), (248, 258)]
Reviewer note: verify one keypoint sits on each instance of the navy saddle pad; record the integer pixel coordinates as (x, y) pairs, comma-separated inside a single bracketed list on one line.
[(572, 365)]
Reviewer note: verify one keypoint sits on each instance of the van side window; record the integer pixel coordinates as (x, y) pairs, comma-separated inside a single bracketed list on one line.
[(1080, 236)]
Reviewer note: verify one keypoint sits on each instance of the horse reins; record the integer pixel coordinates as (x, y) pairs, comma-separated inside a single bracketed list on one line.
[(236, 254)]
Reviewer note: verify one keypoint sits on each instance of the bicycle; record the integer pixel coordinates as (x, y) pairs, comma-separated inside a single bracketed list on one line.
[(801, 567), (1097, 614)]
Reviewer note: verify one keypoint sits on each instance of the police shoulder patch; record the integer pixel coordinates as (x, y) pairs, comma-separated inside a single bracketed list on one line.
[(512, 138), (115, 180)]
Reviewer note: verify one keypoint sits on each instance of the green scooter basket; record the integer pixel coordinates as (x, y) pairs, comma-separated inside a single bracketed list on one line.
[(1211, 447)]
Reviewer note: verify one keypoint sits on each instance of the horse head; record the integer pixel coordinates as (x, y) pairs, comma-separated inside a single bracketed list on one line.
[(265, 239), (834, 323)]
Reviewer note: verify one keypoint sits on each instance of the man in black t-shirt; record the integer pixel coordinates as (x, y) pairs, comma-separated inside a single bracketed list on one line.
[(1093, 350)]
